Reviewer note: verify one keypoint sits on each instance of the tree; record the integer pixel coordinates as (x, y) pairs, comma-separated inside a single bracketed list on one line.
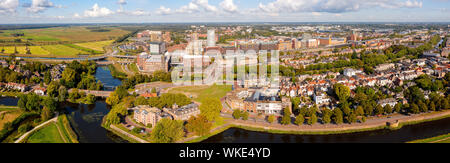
[(113, 99), (359, 111), (271, 118), (326, 116), (46, 114), (211, 109), (52, 89), (299, 120), (167, 131), (398, 107), (414, 109), (422, 106), (379, 110), (50, 103), (69, 76), (346, 110), (245, 116), (337, 116), (140, 101), (62, 94), (342, 92), (387, 109), (432, 106), (90, 99), (198, 125), (47, 77), (236, 114), (286, 119), (351, 118), (312, 120)]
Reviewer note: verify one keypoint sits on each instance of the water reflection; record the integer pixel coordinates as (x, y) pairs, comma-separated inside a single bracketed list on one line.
[(405, 134)]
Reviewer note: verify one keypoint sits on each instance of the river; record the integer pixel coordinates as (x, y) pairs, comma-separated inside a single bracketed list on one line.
[(86, 120)]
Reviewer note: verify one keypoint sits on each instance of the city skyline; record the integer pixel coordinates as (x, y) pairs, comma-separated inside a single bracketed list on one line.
[(151, 11)]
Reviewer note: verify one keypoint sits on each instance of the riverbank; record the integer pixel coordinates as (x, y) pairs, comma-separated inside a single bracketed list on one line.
[(437, 139), (319, 129)]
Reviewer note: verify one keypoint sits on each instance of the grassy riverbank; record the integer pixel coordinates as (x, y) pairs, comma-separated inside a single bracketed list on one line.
[(438, 139)]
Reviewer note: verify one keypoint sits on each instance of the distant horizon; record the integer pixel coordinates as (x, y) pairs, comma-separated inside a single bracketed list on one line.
[(256, 22)]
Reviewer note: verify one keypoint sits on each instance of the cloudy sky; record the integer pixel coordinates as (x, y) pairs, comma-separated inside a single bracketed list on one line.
[(148, 11)]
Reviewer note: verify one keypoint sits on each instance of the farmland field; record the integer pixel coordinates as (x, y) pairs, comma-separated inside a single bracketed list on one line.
[(72, 34), (35, 50), (63, 51), (98, 46)]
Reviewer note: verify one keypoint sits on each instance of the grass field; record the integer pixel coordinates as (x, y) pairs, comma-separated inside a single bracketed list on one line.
[(201, 93), (48, 134), (437, 139), (9, 114), (70, 34), (98, 46)]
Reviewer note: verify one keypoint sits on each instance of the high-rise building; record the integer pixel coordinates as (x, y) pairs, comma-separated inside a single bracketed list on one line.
[(211, 38)]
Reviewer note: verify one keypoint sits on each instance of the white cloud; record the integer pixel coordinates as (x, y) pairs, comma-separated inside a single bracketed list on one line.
[(333, 6), (97, 11), (205, 5), (197, 6), (190, 8), (37, 6), (164, 11), (229, 6), (8, 6)]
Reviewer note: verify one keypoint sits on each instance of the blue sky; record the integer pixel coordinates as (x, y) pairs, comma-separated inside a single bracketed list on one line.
[(148, 11)]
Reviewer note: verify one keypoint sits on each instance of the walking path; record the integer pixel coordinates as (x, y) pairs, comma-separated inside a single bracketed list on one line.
[(128, 135), (35, 129), (61, 135), (212, 131)]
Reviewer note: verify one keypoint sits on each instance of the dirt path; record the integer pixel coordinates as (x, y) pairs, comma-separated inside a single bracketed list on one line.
[(60, 134)]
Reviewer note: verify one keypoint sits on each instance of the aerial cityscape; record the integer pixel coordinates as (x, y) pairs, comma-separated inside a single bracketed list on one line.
[(224, 71)]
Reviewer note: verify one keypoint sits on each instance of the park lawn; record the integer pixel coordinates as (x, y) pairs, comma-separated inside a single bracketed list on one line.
[(63, 51), (48, 134), (8, 116), (201, 93), (35, 50), (98, 46), (438, 139)]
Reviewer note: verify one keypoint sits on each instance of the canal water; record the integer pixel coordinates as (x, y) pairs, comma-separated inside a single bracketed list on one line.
[(86, 121), (405, 134)]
